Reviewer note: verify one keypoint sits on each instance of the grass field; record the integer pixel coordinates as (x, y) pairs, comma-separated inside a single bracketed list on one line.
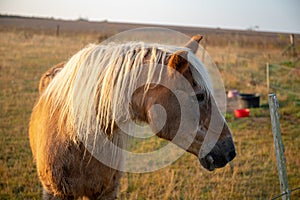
[(25, 55)]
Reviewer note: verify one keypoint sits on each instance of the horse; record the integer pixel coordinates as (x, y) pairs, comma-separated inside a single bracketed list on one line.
[(83, 101)]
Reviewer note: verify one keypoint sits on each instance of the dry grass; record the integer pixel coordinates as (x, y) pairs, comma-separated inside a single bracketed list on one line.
[(24, 56)]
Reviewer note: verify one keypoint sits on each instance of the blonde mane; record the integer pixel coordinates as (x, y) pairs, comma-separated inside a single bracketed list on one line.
[(92, 89)]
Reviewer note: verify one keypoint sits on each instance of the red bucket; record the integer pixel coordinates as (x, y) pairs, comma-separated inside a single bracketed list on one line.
[(242, 112)]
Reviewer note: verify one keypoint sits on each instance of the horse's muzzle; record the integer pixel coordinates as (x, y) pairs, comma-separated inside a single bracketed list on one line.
[(222, 153)]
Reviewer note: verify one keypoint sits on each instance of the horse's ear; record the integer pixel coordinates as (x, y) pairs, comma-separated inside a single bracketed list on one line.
[(179, 61), (193, 43)]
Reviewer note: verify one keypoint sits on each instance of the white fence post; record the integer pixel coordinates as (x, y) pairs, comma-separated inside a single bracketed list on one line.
[(279, 148)]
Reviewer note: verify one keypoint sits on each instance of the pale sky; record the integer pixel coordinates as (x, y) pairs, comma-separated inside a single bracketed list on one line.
[(268, 15)]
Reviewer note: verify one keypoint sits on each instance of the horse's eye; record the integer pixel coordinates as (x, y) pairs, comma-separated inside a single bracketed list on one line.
[(194, 84), (200, 97)]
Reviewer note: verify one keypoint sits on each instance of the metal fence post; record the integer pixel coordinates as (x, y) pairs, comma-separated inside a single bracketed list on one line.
[(268, 76), (279, 148)]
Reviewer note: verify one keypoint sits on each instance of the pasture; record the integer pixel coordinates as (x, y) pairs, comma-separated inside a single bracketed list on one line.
[(26, 53)]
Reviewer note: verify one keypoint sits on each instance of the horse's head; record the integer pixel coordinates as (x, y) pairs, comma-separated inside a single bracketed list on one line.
[(204, 132)]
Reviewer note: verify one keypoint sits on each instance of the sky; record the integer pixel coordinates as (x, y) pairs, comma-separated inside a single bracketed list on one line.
[(264, 15)]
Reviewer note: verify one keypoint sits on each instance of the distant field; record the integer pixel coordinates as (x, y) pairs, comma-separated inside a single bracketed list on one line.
[(104, 28), (28, 47)]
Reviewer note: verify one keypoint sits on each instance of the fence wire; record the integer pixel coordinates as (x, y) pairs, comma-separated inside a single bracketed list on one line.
[(286, 193), (285, 79)]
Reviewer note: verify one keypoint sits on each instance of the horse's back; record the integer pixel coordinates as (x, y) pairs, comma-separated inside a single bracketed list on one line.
[(48, 76)]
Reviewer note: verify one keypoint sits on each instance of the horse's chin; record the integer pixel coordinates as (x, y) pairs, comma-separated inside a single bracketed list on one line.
[(208, 163), (213, 161)]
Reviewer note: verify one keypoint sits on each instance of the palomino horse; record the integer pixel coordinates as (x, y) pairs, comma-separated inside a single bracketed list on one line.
[(84, 98)]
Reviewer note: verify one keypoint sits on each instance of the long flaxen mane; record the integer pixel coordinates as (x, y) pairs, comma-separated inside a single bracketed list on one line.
[(91, 92)]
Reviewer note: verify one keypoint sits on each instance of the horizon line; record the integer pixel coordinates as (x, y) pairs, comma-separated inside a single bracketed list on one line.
[(96, 20)]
